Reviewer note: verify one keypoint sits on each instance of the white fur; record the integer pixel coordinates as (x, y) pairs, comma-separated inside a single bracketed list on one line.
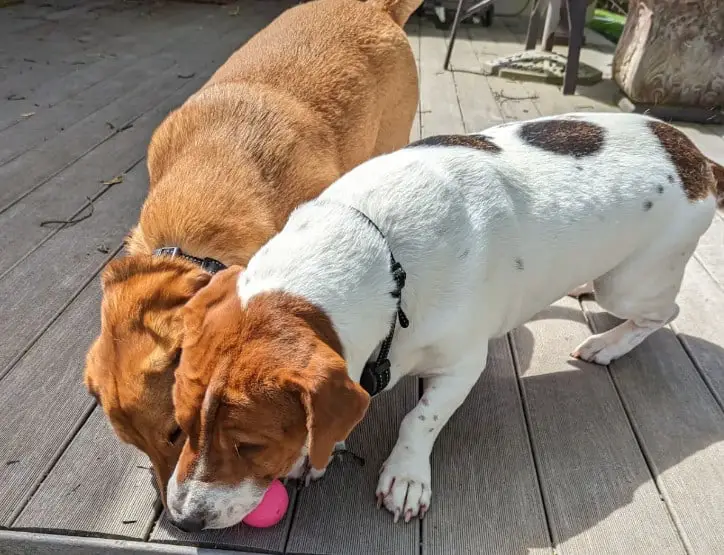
[(198, 503), (487, 241), (209, 504)]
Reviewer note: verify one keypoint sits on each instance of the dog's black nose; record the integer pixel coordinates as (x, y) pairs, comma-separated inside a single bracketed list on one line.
[(190, 524)]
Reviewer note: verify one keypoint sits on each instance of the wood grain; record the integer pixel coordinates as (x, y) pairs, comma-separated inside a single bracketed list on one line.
[(680, 428), (486, 496), (598, 492), (338, 514)]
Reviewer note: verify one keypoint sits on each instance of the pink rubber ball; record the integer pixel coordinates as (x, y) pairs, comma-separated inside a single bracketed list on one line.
[(272, 508)]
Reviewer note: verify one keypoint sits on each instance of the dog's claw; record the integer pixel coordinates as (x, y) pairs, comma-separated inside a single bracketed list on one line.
[(408, 515), (423, 511), (397, 516), (380, 497)]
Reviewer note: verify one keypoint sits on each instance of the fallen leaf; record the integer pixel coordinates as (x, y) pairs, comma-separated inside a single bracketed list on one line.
[(115, 181), (27, 115)]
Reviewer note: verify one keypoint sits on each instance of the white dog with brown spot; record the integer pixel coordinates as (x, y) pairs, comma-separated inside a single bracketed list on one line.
[(463, 237)]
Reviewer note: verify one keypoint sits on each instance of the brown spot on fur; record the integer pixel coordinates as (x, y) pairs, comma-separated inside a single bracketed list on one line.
[(478, 142), (694, 169), (564, 136), (275, 370)]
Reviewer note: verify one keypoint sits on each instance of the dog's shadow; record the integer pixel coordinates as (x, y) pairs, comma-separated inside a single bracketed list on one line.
[(549, 444)]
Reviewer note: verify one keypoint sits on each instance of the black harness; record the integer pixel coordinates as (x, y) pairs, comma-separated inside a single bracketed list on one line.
[(209, 265), (376, 373)]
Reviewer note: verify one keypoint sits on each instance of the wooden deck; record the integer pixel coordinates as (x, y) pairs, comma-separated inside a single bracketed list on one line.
[(547, 454)]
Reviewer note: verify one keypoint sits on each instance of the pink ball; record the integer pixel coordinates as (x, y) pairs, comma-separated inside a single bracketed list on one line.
[(272, 508)]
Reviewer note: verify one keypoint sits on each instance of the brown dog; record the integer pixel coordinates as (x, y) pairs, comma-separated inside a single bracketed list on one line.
[(324, 87)]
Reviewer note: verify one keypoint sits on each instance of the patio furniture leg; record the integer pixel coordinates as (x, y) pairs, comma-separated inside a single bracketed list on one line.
[(453, 33), (534, 25), (553, 17), (576, 22)]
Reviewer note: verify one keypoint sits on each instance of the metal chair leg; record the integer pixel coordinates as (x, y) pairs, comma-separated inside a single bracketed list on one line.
[(453, 34), (576, 23), (534, 25)]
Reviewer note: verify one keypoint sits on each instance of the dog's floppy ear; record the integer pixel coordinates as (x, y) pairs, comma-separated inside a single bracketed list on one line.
[(219, 287), (333, 402)]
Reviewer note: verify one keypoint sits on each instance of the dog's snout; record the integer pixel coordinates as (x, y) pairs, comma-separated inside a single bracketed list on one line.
[(190, 524)]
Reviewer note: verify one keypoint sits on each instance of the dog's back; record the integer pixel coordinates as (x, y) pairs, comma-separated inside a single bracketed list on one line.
[(538, 207)]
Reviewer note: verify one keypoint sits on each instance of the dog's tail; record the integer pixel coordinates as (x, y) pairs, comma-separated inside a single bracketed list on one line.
[(399, 10), (718, 171)]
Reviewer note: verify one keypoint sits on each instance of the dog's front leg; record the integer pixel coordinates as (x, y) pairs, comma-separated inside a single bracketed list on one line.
[(404, 486)]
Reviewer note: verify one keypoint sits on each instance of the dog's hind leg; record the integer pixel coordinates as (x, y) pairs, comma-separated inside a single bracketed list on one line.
[(642, 290)]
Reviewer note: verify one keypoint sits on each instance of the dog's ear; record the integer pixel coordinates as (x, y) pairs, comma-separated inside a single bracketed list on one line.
[(334, 404), (220, 286)]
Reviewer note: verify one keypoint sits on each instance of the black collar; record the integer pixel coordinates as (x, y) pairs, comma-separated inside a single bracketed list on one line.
[(376, 373), (209, 265)]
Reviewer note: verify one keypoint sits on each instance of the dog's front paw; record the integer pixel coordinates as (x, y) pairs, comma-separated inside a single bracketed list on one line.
[(404, 486)]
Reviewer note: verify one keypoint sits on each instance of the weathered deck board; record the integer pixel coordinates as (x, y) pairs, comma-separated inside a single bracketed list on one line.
[(700, 325), (42, 400), (338, 514), (486, 496), (35, 66), (62, 195), (27, 543), (413, 34), (58, 111), (438, 99), (710, 250), (38, 166), (598, 492), (475, 96), (67, 193), (43, 17), (60, 266), (514, 99), (680, 428), (122, 504)]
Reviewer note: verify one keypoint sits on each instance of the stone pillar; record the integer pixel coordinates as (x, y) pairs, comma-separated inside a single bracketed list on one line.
[(671, 54)]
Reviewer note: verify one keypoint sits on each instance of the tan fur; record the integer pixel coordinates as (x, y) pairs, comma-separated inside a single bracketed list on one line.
[(324, 87)]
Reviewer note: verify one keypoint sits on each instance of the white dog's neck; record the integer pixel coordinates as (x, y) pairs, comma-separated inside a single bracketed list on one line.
[(334, 258)]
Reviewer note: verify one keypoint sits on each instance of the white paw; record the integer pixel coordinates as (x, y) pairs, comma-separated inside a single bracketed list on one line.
[(598, 349), (404, 486)]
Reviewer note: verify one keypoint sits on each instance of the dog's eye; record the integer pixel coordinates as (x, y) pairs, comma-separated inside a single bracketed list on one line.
[(174, 435), (243, 449), (176, 358)]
